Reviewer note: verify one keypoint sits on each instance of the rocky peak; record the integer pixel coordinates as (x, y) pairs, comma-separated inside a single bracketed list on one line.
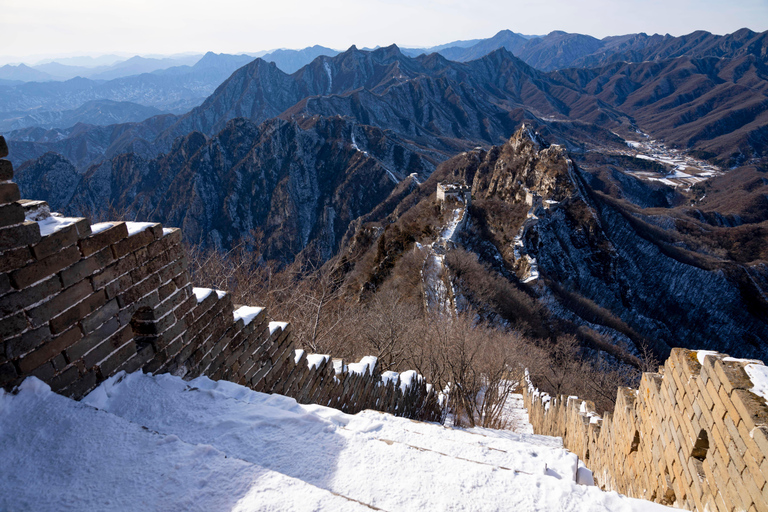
[(526, 164)]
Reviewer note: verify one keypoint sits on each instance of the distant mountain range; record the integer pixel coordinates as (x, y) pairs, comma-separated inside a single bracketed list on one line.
[(561, 50), (29, 97), (338, 162)]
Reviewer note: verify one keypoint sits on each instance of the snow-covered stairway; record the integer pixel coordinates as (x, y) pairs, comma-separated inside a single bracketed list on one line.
[(376, 459), (59, 454)]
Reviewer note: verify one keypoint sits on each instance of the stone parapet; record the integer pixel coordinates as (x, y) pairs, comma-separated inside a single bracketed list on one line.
[(81, 302), (694, 435)]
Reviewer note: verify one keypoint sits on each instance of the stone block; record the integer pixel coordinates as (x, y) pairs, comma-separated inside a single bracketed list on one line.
[(7, 374), (55, 242), (107, 347), (97, 242), (43, 313), (109, 366), (11, 214), (13, 325), (78, 311), (20, 235), (114, 271), (22, 344), (760, 437), (9, 192), (132, 243), (92, 340), (138, 291), (732, 375), (86, 267), (100, 316), (81, 386), (17, 301), (5, 284), (39, 270), (751, 408), (14, 259), (50, 349), (65, 378), (6, 170)]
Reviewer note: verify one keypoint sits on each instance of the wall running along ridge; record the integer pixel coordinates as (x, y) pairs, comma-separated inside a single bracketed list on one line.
[(693, 435), (79, 303)]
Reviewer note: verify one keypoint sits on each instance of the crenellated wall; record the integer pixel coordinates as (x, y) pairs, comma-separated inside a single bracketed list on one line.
[(693, 435), (81, 302)]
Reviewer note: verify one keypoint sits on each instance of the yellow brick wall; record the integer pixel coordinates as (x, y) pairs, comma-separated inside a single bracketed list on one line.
[(693, 435)]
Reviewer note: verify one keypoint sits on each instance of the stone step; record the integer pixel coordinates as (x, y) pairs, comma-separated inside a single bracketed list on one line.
[(95, 460)]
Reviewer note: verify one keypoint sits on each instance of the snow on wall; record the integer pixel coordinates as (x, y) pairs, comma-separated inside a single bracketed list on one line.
[(694, 435), (80, 303)]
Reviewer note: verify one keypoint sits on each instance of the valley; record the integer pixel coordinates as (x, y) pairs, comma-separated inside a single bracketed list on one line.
[(611, 194)]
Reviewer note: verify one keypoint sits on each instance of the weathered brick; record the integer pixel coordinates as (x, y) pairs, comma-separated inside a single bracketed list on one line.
[(9, 192), (65, 378), (5, 284), (44, 372), (86, 267), (7, 374), (83, 226), (143, 356), (12, 325), (732, 375), (56, 305), (20, 235), (49, 350), (17, 301), (18, 346), (78, 311), (760, 437), (59, 362), (121, 267), (138, 291), (11, 214), (117, 358), (39, 270), (90, 341), (15, 258), (104, 239), (81, 386), (55, 242), (751, 408), (166, 290), (132, 243), (6, 170), (106, 347), (101, 315)]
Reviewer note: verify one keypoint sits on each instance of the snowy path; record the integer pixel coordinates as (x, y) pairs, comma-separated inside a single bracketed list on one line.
[(220, 446), (437, 295), (59, 454)]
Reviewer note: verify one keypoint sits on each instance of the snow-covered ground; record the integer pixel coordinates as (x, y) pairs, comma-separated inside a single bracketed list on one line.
[(142, 442), (683, 169)]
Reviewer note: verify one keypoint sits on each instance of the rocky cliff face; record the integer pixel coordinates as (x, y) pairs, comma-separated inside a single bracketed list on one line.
[(594, 246), (598, 262), (287, 186)]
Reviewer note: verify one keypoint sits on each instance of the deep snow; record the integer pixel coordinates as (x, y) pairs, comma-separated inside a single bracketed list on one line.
[(220, 446)]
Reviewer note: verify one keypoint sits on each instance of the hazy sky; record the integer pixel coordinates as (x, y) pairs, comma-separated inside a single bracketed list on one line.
[(58, 27)]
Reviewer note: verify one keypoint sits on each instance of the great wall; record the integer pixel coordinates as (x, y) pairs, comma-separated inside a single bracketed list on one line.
[(693, 435), (80, 303)]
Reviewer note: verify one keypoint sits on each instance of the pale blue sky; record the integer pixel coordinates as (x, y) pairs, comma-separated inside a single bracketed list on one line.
[(56, 27)]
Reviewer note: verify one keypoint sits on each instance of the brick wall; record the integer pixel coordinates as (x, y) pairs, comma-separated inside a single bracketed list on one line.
[(79, 303), (693, 435)]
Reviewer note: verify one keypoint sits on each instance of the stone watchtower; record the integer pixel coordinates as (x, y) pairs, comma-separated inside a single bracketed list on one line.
[(454, 192)]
